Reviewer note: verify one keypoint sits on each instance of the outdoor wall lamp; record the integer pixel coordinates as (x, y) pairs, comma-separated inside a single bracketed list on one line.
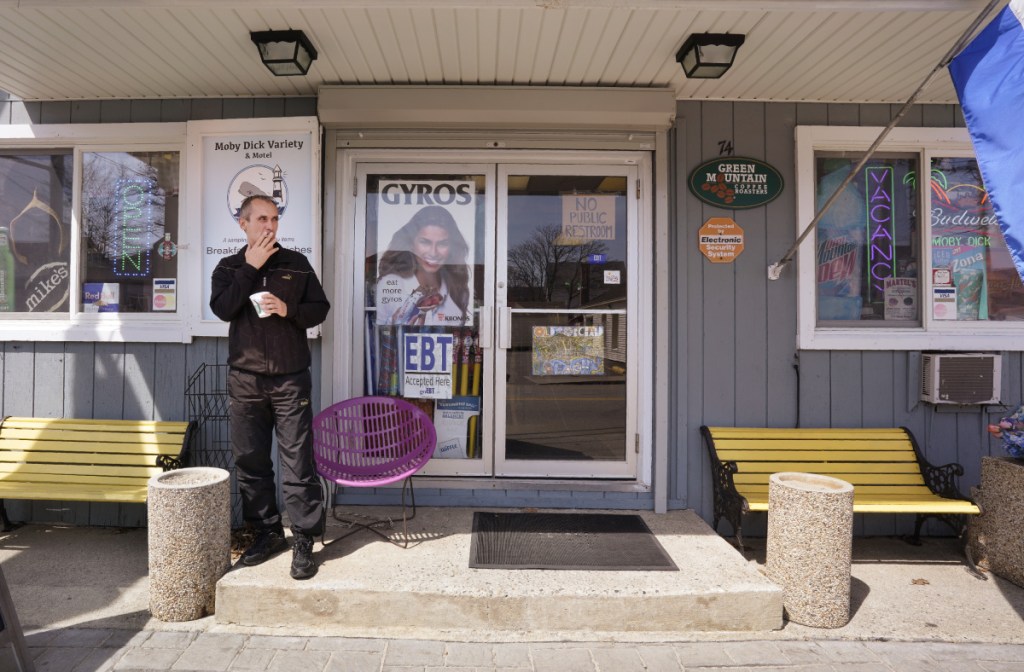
[(285, 52), (708, 55)]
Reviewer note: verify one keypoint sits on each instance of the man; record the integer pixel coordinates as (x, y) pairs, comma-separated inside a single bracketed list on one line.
[(269, 383)]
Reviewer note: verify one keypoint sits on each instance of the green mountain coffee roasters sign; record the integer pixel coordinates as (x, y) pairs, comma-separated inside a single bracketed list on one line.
[(734, 182)]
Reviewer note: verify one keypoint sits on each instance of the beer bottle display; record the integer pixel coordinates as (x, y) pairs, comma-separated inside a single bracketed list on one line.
[(6, 272)]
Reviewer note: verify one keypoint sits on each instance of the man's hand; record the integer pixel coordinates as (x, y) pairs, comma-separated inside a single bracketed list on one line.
[(257, 254), (274, 305)]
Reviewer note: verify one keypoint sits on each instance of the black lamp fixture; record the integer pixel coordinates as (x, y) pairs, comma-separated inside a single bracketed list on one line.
[(285, 52), (708, 55)]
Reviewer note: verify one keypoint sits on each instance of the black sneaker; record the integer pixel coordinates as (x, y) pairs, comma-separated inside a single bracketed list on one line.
[(303, 565), (269, 542)]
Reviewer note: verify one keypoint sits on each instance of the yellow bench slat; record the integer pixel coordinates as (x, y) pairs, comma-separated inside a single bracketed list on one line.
[(937, 505), (818, 446), (97, 438), (9, 470), (24, 456), (829, 467), (17, 480), (171, 426), (956, 508), (806, 433), (856, 479), (76, 492), (59, 448), (808, 456), (761, 490)]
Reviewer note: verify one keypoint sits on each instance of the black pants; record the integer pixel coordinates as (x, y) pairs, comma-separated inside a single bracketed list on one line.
[(259, 406)]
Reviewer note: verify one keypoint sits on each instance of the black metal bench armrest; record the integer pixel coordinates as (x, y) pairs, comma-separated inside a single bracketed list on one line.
[(170, 462), (942, 479)]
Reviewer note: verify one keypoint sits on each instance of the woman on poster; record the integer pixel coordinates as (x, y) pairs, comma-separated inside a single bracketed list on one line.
[(423, 277)]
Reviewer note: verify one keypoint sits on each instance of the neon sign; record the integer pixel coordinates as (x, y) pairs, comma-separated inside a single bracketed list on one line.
[(881, 225), (133, 221)]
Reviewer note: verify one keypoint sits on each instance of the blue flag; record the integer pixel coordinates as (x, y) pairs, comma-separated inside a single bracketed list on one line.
[(989, 79)]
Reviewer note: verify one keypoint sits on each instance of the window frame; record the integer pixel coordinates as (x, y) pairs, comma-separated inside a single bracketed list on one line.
[(76, 325), (931, 334)]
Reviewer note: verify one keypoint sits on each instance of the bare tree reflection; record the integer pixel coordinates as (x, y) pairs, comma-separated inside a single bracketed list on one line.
[(548, 268)]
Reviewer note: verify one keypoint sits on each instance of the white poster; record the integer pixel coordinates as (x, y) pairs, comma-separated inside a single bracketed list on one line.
[(234, 166), (427, 365), (456, 437), (425, 241), (900, 298)]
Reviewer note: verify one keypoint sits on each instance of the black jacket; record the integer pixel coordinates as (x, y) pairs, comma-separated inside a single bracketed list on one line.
[(272, 345)]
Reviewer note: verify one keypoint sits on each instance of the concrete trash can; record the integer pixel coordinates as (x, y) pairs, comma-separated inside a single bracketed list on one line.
[(189, 541), (809, 547), (997, 535)]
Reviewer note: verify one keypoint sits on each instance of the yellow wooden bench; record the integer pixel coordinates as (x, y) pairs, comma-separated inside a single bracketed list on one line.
[(885, 466), (64, 459)]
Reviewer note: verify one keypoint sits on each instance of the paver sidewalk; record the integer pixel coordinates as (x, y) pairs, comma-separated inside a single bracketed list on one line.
[(102, 650)]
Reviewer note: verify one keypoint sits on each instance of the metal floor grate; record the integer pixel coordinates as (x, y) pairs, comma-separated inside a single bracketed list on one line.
[(592, 541)]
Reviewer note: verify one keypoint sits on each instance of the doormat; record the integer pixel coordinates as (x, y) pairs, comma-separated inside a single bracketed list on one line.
[(595, 541)]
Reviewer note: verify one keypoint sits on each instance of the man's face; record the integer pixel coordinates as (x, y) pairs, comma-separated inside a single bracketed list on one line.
[(263, 218)]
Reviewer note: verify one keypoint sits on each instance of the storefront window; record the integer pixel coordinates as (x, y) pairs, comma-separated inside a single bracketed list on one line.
[(910, 255), (867, 266), (129, 226), (35, 231), (973, 277)]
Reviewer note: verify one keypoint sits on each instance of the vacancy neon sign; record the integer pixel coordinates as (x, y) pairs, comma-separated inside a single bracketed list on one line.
[(881, 228)]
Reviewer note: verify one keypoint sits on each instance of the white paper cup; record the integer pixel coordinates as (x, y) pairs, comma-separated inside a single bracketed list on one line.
[(257, 303)]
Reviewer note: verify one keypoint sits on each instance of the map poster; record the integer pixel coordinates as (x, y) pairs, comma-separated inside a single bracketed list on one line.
[(568, 351)]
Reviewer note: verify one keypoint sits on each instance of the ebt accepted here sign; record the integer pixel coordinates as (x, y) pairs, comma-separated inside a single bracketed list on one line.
[(427, 365)]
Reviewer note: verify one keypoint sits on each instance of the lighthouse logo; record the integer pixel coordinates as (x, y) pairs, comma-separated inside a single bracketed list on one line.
[(258, 179)]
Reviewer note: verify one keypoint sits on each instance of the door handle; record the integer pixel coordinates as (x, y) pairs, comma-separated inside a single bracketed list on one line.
[(504, 328), (485, 332)]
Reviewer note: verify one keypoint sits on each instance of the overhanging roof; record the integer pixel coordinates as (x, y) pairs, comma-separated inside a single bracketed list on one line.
[(796, 50)]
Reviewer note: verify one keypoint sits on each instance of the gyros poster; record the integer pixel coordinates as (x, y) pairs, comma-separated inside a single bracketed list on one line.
[(425, 239)]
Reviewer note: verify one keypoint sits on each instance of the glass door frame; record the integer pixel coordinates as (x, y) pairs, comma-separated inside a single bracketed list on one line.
[(626, 468), (435, 467), (346, 238)]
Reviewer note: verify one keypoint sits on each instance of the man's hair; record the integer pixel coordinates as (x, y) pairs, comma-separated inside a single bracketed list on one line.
[(243, 211)]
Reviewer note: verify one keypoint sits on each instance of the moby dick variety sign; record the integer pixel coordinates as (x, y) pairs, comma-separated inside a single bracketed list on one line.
[(736, 183), (278, 164)]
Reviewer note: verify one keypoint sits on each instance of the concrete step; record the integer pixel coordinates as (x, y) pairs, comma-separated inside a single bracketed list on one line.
[(369, 587)]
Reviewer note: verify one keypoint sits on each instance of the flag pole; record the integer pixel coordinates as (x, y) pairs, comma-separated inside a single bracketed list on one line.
[(775, 270)]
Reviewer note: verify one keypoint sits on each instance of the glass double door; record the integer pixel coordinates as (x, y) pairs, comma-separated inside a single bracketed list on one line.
[(497, 297)]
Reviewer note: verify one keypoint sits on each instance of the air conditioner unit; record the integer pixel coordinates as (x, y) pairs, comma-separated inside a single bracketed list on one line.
[(962, 378)]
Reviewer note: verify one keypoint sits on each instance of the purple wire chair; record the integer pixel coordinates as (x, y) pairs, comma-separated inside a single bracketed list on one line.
[(367, 442)]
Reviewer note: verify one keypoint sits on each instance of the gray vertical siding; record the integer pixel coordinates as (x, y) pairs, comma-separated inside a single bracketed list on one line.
[(735, 358), (147, 381), (137, 381)]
